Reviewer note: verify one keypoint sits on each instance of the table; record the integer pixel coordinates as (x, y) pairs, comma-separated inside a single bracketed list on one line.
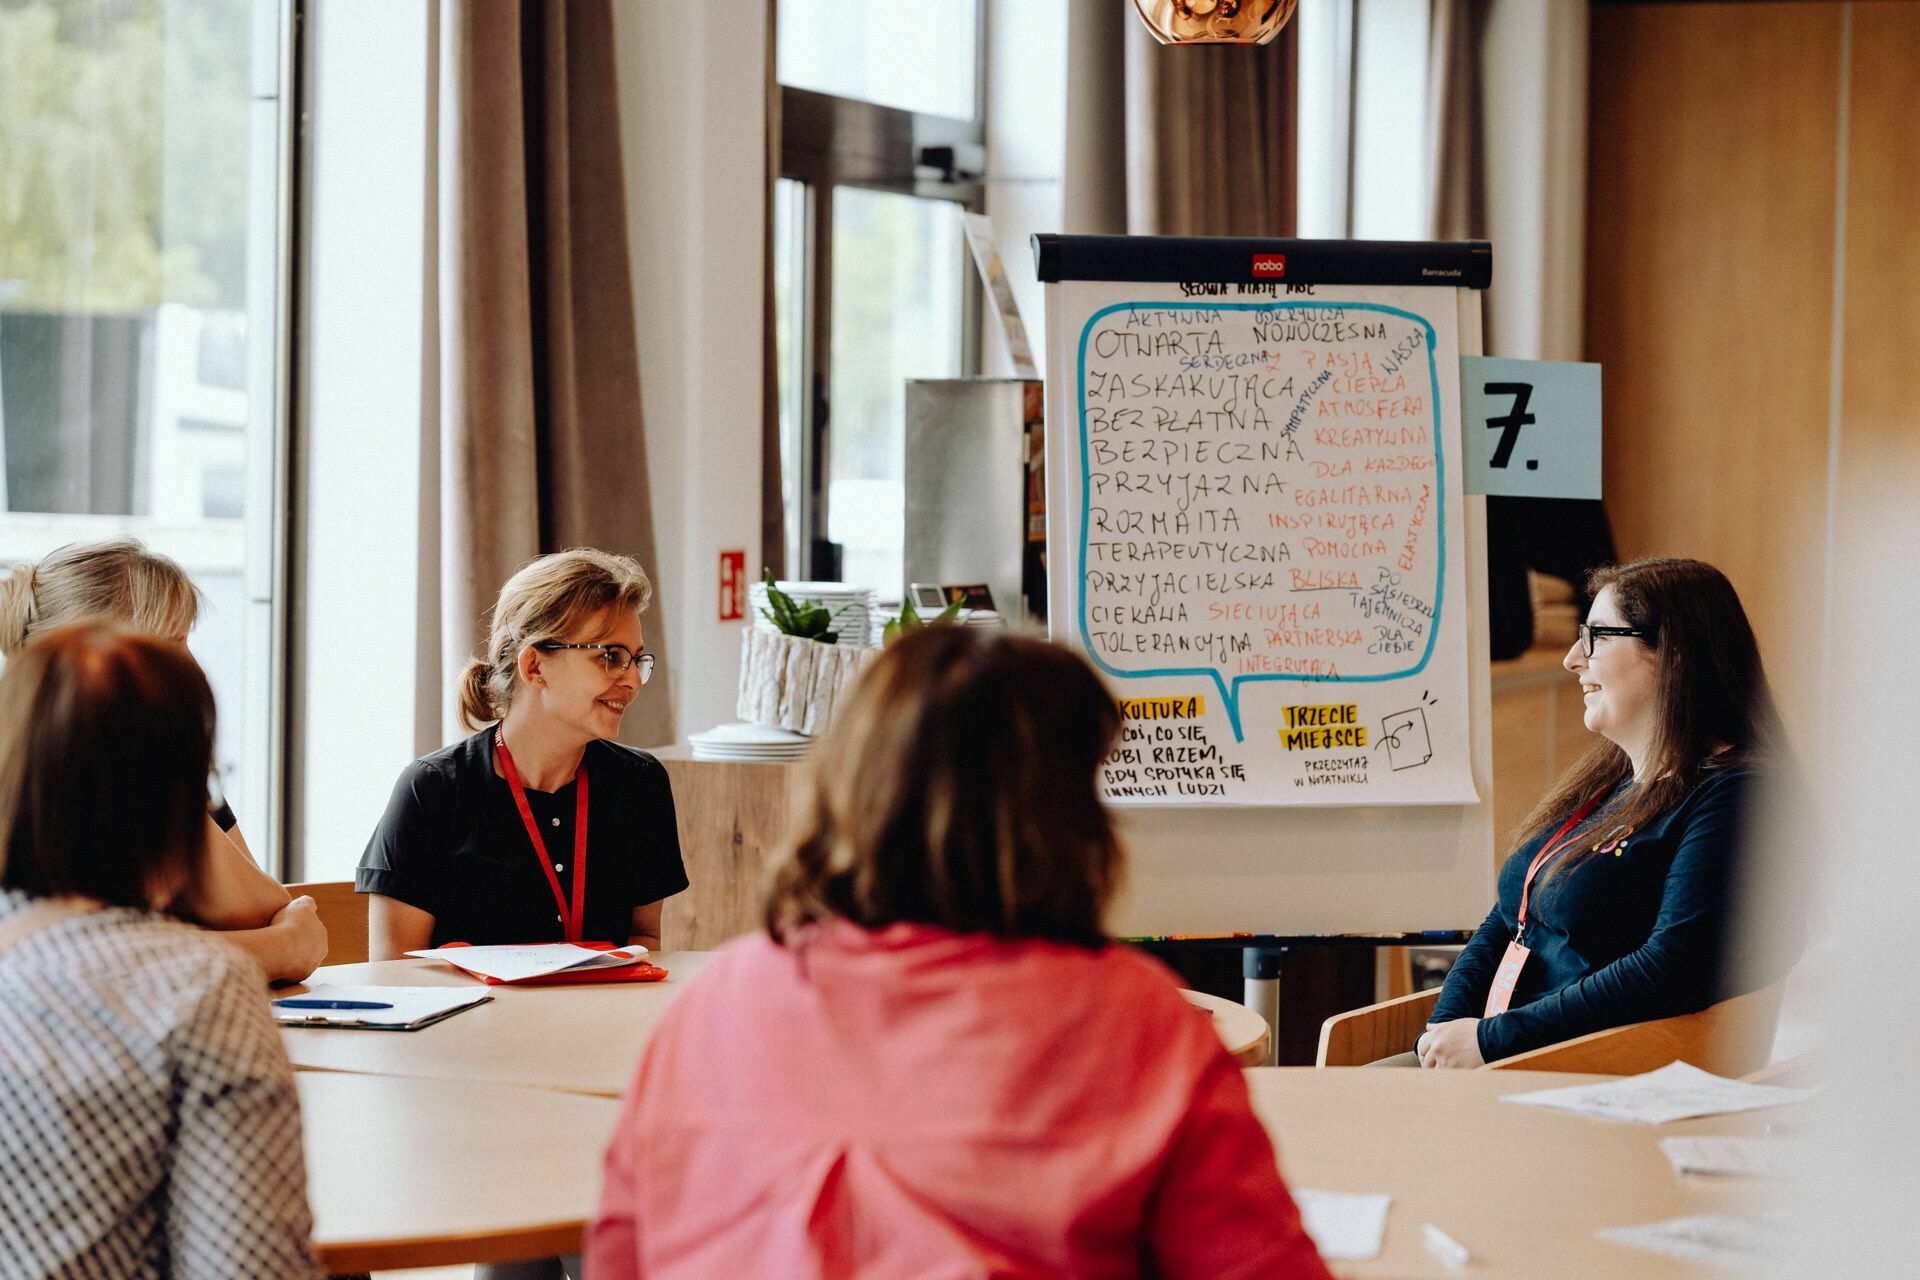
[(578, 1039), (408, 1173), (1524, 1188)]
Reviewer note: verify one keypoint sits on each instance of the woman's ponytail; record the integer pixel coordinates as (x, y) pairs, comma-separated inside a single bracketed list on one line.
[(16, 607), (476, 697)]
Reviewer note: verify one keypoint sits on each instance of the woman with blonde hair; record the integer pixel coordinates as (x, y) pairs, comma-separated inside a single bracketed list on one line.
[(538, 827), (121, 582), (148, 1121), (935, 1061)]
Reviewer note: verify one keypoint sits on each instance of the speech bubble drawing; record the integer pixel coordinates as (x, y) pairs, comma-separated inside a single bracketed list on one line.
[(1323, 352)]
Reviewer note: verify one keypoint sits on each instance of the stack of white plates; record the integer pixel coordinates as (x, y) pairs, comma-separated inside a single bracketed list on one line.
[(749, 742), (855, 610)]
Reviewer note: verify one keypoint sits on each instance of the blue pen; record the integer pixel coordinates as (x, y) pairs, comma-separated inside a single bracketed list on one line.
[(297, 1003)]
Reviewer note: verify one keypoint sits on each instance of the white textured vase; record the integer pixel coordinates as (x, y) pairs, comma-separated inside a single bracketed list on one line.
[(794, 683)]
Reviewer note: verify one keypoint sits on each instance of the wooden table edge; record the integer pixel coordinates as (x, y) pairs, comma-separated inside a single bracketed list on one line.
[(544, 1240)]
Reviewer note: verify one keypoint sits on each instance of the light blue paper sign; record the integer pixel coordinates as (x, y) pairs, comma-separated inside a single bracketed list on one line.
[(1531, 427)]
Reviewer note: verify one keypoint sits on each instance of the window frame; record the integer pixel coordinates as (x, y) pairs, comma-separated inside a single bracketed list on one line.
[(827, 142)]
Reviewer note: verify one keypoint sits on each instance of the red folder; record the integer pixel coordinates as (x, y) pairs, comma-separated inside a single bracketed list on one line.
[(638, 971)]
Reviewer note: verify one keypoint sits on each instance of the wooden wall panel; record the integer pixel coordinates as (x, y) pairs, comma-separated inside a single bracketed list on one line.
[(1880, 388), (1710, 240)]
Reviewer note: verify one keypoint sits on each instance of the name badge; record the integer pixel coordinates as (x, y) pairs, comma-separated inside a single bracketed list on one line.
[(1500, 995)]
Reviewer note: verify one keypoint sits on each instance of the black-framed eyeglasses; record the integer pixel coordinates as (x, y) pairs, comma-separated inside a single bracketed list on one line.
[(616, 658), (1590, 633)]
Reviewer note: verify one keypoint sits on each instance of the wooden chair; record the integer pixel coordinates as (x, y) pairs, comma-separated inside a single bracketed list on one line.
[(1731, 1038), (344, 912)]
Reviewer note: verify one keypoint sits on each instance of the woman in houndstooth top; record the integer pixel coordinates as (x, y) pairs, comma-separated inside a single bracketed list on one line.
[(148, 1122)]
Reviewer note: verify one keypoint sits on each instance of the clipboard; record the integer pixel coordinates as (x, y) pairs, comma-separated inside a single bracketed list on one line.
[(412, 1007)]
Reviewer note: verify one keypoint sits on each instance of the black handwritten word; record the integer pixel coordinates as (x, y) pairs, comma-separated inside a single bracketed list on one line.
[(1318, 779), (1208, 648), (1138, 615), (1316, 330), (1153, 586), (1230, 416), (1299, 414), (1312, 716), (1176, 708), (1176, 453), (1181, 523), (1323, 739), (1130, 551), (1333, 764), (1189, 342), (1102, 385)]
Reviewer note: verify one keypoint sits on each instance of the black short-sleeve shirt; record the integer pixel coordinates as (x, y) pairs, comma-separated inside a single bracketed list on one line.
[(452, 844)]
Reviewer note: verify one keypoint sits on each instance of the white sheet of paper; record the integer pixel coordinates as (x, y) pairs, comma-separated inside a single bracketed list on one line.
[(510, 963), (410, 1004), (1676, 1091), (1735, 1157), (1744, 1242), (1346, 1226)]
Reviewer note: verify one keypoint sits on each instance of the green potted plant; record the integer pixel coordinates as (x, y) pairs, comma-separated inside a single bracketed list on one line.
[(794, 675)]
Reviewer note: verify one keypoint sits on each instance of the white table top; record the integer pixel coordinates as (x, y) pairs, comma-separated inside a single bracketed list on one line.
[(1523, 1188), (581, 1039), (409, 1173)]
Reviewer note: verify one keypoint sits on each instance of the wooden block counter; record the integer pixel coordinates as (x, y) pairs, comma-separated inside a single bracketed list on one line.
[(732, 818)]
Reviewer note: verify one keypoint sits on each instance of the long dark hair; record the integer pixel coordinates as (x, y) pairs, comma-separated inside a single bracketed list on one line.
[(957, 788), (1713, 694), (106, 738)]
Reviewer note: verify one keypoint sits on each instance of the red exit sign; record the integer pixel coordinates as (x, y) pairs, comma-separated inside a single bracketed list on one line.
[(733, 586)]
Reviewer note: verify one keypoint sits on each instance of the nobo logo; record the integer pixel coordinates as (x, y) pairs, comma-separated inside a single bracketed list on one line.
[(1270, 264)]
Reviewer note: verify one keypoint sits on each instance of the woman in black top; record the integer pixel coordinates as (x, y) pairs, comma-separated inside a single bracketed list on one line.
[(1615, 905), (537, 828)]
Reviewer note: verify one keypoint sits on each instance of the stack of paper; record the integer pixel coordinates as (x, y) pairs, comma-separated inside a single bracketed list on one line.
[(1676, 1091), (516, 962), (1739, 1241), (1735, 1157)]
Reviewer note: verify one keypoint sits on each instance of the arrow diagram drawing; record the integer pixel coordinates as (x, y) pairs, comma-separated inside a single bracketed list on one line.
[(1408, 744)]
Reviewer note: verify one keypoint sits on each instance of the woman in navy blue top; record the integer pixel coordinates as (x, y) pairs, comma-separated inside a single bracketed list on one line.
[(1615, 905)]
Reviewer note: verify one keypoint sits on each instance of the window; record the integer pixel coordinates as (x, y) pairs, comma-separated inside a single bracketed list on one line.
[(139, 199), (881, 152), (1363, 119)]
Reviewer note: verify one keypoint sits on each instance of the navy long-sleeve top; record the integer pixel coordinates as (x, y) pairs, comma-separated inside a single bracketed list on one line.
[(1619, 937)]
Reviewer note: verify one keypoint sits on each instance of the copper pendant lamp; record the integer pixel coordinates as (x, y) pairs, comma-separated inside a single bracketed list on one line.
[(1215, 21)]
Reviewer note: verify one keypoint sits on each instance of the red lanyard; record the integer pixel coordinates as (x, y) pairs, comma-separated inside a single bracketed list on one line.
[(574, 920), (1561, 839)]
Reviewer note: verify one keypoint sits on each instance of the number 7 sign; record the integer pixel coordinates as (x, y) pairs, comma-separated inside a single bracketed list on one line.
[(1531, 428)]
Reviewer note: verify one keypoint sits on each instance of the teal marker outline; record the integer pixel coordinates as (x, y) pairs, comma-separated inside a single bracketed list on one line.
[(1230, 695)]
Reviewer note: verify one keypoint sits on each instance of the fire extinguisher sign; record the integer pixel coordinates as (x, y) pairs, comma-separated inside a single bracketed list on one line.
[(733, 586)]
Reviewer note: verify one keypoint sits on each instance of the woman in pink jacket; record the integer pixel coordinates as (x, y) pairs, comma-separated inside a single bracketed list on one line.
[(935, 1063)]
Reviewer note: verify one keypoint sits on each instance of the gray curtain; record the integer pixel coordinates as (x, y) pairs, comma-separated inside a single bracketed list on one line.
[(1456, 164), (1210, 135), (541, 441)]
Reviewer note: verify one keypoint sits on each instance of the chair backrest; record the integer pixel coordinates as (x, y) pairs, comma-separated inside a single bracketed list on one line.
[(344, 912), (1731, 1038), (1360, 1036)]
